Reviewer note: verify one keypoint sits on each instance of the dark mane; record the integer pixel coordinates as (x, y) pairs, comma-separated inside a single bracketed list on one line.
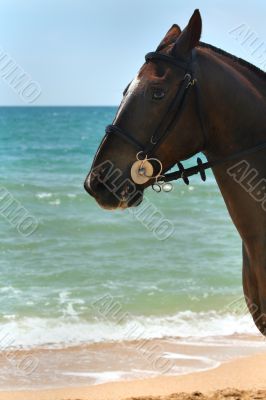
[(240, 61)]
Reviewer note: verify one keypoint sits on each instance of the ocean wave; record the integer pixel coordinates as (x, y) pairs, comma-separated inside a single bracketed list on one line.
[(43, 195), (56, 202), (49, 195), (27, 332)]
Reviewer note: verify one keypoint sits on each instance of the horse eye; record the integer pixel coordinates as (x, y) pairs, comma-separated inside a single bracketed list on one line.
[(158, 94)]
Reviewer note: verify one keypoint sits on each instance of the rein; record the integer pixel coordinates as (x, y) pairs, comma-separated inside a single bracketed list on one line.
[(183, 173), (142, 165)]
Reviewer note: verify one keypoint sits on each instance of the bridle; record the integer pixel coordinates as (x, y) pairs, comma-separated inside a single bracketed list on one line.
[(169, 119), (164, 127)]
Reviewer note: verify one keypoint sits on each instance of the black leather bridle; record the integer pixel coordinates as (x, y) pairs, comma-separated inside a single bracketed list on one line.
[(170, 118), (164, 128)]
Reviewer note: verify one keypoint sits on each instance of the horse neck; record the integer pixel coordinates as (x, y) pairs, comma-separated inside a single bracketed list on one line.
[(235, 113), (233, 105)]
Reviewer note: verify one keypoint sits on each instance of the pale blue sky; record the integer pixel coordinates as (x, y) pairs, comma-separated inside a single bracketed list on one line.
[(84, 52)]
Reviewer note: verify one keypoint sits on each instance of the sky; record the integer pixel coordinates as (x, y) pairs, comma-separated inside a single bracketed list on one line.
[(83, 52)]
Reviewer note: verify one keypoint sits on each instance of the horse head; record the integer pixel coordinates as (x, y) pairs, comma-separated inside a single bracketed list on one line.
[(156, 124)]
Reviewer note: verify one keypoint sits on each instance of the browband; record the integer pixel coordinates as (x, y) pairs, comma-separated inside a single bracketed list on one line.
[(164, 57)]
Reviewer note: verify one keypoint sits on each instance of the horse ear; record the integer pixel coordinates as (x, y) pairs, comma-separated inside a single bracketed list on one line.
[(189, 37), (170, 37)]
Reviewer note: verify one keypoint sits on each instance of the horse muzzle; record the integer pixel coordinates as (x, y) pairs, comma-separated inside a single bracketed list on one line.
[(111, 194)]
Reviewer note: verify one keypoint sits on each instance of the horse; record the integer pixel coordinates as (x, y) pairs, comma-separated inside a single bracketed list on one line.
[(190, 97)]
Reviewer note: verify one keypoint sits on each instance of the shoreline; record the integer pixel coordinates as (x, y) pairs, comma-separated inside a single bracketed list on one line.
[(38, 369), (247, 373)]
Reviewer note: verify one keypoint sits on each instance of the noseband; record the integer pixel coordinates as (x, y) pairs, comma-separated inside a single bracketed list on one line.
[(164, 129)]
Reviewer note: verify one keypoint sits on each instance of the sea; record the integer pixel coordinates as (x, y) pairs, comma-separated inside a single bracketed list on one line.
[(77, 278)]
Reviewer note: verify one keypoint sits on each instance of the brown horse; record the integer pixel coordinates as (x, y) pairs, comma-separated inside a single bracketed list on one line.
[(191, 97)]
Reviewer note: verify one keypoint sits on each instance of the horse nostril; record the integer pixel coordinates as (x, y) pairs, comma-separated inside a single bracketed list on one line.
[(87, 186), (93, 184)]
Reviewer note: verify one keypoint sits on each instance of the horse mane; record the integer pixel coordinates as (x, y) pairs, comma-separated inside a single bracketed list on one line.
[(259, 72)]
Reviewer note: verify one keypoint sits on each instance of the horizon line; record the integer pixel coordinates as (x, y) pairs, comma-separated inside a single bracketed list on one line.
[(57, 105)]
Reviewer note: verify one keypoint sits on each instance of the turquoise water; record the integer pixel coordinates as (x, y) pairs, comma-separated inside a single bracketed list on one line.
[(51, 279)]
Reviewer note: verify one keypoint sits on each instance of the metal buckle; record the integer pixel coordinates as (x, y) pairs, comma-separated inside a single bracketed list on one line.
[(191, 81)]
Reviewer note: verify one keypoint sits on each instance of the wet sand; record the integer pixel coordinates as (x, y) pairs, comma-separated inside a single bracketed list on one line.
[(241, 379), (98, 363)]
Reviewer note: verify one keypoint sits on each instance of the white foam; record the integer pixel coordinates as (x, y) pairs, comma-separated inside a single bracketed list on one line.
[(112, 376), (100, 377), (178, 356), (70, 329), (43, 195), (206, 361), (56, 202), (10, 290)]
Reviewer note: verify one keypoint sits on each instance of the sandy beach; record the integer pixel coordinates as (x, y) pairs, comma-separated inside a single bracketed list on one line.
[(243, 378), (132, 200)]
